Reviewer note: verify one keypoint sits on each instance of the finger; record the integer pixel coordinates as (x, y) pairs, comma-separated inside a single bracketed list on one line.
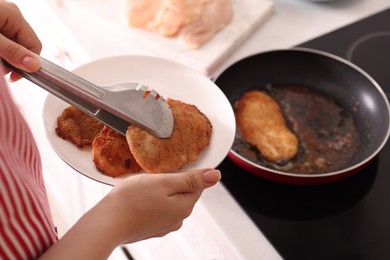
[(211, 177), (195, 180), (18, 56), (14, 27), (14, 77), (27, 38)]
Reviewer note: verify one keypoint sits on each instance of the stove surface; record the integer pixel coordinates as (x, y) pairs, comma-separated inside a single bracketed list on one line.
[(349, 219)]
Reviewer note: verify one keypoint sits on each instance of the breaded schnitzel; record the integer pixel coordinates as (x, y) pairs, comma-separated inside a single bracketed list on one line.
[(191, 135), (261, 123), (111, 154), (77, 127)]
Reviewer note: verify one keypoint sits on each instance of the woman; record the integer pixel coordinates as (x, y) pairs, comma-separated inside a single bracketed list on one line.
[(154, 204)]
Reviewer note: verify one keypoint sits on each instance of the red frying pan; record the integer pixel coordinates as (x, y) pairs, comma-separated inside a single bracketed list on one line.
[(350, 88)]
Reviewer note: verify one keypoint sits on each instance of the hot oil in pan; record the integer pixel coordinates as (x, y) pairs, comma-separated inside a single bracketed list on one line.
[(327, 134)]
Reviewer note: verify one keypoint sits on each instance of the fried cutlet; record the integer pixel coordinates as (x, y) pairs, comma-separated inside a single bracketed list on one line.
[(261, 123), (191, 135), (111, 154), (77, 127)]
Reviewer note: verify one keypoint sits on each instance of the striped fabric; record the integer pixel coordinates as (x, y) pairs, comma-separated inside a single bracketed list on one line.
[(26, 227)]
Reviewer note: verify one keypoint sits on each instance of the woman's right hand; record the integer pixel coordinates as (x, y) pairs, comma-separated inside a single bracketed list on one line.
[(153, 205), (139, 207), (19, 45)]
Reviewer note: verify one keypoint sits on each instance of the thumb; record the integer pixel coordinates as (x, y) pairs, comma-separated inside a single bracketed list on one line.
[(196, 180), (18, 56)]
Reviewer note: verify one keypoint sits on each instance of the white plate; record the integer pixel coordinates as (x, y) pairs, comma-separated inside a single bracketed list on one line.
[(171, 80)]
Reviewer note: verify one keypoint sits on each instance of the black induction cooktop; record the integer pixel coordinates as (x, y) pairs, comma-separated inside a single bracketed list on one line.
[(349, 219)]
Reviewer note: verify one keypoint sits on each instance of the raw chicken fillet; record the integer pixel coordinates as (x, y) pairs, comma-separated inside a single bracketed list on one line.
[(193, 22)]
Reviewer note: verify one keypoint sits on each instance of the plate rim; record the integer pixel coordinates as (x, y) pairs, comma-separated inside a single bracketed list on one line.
[(228, 114)]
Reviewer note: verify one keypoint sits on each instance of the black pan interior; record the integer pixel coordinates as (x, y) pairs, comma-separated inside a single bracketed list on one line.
[(347, 84)]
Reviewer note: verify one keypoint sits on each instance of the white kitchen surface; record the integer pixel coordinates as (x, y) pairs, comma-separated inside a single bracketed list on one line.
[(218, 227), (248, 16)]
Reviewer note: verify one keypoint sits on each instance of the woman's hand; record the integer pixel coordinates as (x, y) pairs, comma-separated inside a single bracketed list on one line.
[(152, 205), (19, 45), (139, 207)]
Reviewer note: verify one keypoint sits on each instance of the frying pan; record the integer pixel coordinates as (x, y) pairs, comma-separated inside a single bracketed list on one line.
[(345, 82)]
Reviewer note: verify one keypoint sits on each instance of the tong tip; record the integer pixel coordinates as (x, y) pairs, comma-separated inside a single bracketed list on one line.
[(149, 92)]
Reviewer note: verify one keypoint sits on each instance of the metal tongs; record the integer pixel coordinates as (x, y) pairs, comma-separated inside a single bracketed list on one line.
[(116, 106)]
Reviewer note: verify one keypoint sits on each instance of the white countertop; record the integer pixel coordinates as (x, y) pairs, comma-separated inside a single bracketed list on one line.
[(218, 227)]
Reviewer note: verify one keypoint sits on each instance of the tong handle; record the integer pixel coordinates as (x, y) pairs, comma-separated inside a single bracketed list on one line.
[(46, 79), (57, 75), (63, 84)]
